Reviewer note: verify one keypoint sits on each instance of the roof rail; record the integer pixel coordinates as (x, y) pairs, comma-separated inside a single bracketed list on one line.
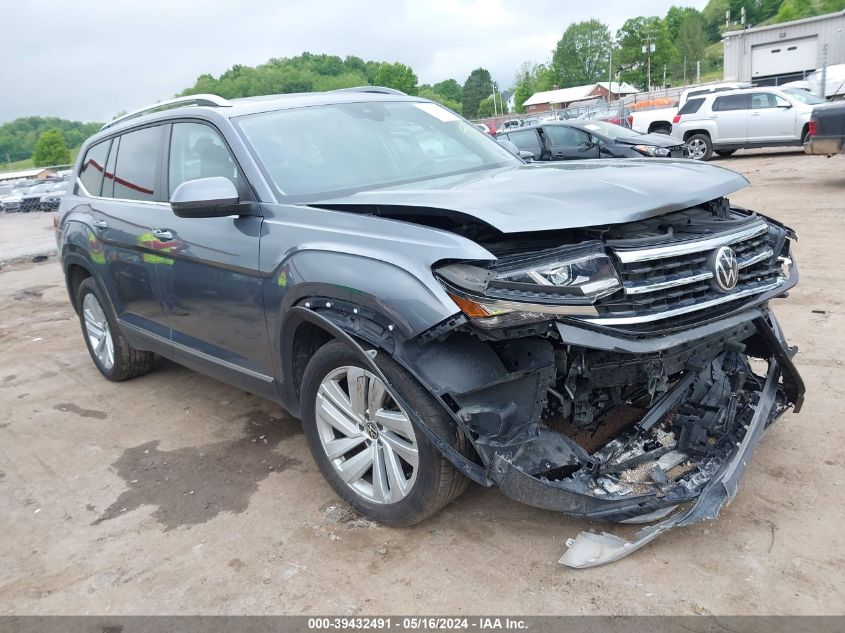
[(373, 89), (178, 102)]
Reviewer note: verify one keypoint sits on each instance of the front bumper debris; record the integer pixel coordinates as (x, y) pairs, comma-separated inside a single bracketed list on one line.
[(591, 550), (691, 445)]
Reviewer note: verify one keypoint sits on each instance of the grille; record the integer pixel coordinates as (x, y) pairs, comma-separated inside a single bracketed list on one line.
[(668, 287)]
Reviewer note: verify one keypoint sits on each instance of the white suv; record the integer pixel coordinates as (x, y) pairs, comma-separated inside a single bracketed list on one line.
[(741, 119)]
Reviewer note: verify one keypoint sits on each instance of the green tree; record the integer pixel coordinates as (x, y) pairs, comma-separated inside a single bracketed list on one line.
[(51, 149), (531, 78), (428, 93), (449, 89), (794, 10), (691, 40), (487, 108), (675, 17), (829, 6), (478, 86), (398, 76), (581, 54), (632, 37)]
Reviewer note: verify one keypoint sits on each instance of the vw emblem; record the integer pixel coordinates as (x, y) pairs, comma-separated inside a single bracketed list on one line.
[(725, 269), (371, 430)]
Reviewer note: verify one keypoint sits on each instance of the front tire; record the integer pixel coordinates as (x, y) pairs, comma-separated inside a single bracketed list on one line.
[(725, 152), (367, 447), (700, 147), (116, 359)]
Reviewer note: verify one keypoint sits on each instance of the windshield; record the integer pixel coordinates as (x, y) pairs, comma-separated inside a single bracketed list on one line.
[(802, 96), (610, 130), (311, 151)]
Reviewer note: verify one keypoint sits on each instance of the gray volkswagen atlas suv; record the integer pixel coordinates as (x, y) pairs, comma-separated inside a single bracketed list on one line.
[(591, 337)]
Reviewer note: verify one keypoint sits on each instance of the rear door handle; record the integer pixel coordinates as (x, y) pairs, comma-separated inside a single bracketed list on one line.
[(163, 234)]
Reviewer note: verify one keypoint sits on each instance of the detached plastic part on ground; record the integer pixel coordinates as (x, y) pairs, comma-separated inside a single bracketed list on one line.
[(590, 549)]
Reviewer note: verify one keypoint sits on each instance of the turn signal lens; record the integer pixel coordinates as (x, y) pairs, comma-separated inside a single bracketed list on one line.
[(470, 308)]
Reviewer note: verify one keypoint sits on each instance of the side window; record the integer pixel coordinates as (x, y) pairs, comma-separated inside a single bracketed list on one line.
[(526, 140), (197, 151), (691, 107), (93, 167), (763, 100), (136, 170), (566, 136), (731, 102), (108, 180)]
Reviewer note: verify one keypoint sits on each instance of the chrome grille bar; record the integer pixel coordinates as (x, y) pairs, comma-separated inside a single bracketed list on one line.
[(685, 248), (682, 279), (692, 307)]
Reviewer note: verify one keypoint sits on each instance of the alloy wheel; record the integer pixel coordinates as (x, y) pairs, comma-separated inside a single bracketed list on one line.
[(697, 149), (366, 435), (97, 331)]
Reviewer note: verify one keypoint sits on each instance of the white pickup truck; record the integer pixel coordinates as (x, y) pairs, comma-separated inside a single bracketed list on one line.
[(659, 120)]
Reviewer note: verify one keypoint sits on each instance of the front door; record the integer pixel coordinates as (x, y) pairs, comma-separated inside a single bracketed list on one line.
[(569, 143), (770, 119), (212, 287)]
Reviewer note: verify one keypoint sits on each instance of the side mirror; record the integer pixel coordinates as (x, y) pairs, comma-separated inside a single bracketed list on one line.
[(785, 106), (215, 197), (508, 146), (526, 155)]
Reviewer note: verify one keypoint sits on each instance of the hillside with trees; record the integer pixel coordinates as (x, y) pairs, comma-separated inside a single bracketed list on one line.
[(18, 138)]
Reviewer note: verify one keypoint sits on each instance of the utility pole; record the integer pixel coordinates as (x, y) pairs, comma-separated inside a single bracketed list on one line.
[(685, 70), (648, 49), (823, 84), (698, 72)]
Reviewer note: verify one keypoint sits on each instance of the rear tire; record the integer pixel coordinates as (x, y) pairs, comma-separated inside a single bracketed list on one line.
[(725, 152), (662, 130), (116, 359), (700, 147), (338, 419)]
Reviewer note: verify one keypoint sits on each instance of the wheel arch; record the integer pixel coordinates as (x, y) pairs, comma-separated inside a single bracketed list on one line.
[(689, 134), (306, 328), (76, 268)]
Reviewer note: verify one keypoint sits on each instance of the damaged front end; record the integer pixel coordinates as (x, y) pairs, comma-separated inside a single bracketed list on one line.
[(623, 376)]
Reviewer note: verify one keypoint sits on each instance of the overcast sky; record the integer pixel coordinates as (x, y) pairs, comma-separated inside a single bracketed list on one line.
[(88, 60)]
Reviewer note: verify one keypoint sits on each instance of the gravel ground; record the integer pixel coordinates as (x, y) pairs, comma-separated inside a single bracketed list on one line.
[(176, 494)]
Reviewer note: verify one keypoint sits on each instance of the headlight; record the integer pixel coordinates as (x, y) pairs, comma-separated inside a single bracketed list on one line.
[(512, 290), (651, 150)]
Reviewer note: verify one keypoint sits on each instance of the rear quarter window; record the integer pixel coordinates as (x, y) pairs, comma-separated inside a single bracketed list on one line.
[(691, 107), (93, 167)]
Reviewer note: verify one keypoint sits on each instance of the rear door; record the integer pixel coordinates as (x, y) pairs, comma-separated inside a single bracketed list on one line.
[(770, 119), (214, 305), (731, 115), (569, 143), (127, 197), (529, 141)]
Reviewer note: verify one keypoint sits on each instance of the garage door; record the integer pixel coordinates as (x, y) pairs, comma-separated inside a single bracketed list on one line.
[(788, 56)]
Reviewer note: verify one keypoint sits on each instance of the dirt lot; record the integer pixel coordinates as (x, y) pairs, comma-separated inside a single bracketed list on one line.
[(174, 493)]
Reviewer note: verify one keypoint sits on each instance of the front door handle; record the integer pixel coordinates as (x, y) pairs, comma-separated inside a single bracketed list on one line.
[(101, 224), (162, 234)]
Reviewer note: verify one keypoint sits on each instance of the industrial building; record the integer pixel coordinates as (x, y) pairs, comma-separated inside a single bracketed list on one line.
[(775, 54)]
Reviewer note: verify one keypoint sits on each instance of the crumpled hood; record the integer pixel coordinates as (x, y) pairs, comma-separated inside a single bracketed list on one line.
[(540, 197)]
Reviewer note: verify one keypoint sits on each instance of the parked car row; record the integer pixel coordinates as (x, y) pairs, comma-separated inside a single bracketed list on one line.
[(38, 196)]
